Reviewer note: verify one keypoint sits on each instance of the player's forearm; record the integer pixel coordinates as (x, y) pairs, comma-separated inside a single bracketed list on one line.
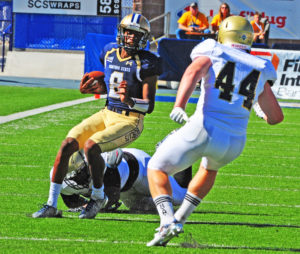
[(185, 90)]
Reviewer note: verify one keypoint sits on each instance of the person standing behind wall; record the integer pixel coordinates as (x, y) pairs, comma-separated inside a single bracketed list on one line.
[(258, 28)]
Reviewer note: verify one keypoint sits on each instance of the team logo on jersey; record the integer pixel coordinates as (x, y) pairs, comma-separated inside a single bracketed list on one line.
[(110, 59), (128, 63)]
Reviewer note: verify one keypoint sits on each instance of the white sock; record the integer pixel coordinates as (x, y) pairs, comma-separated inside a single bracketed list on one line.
[(164, 207), (188, 205), (97, 193), (54, 192)]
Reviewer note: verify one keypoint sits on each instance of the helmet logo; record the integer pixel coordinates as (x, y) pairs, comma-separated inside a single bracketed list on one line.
[(244, 37)]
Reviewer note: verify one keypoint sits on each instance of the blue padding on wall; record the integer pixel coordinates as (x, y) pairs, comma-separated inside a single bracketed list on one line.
[(173, 99), (176, 57), (66, 32), (94, 43)]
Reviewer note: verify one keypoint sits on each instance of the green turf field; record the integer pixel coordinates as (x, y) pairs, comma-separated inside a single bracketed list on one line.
[(254, 206)]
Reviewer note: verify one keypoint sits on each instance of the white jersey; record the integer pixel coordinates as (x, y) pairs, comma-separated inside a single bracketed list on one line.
[(231, 86), (216, 132), (138, 197)]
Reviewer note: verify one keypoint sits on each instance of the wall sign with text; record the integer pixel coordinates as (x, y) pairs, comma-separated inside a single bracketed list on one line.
[(69, 7), (109, 7)]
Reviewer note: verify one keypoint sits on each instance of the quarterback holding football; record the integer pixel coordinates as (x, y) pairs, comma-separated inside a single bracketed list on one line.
[(129, 80)]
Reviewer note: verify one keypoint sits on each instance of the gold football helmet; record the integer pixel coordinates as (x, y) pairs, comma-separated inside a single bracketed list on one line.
[(237, 32), (77, 162), (140, 27)]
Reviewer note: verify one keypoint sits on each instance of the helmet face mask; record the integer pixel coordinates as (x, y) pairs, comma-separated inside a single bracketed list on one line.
[(133, 25), (236, 32)]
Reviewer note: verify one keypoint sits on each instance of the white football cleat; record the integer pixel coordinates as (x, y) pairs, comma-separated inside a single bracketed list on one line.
[(165, 234), (92, 208)]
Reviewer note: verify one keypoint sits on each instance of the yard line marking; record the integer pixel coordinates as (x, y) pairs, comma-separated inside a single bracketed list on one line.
[(264, 176), (224, 174), (20, 115), (250, 204), (255, 188), (188, 243), (70, 240)]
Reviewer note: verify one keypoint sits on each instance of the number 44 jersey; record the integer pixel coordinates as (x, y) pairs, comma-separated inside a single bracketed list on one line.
[(231, 86)]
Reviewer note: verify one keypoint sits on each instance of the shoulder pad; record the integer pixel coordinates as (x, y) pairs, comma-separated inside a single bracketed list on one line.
[(208, 47), (270, 71), (150, 64)]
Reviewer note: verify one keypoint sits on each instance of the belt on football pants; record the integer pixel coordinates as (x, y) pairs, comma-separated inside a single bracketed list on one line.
[(124, 111)]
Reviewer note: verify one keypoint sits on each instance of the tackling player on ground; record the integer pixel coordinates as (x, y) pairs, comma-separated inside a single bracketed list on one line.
[(232, 80), (125, 179), (130, 76)]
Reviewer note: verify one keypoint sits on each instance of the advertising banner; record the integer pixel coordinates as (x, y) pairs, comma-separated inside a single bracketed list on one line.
[(283, 15), (69, 7), (287, 85), (109, 7)]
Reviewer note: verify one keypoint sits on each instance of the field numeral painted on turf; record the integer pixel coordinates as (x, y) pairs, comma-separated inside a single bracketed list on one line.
[(247, 85)]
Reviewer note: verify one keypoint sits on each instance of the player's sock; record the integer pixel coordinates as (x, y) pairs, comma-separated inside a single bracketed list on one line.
[(97, 193), (188, 205), (164, 207), (54, 192)]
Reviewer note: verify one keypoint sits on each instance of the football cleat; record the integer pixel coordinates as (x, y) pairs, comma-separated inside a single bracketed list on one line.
[(92, 208), (165, 234), (47, 212)]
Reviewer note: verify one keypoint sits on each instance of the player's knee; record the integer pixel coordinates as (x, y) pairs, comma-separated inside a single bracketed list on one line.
[(69, 146), (91, 148)]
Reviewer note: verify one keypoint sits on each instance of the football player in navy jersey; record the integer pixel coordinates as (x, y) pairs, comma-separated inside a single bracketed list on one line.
[(130, 76)]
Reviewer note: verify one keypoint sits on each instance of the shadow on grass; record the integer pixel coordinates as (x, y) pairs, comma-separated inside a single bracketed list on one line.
[(190, 242)]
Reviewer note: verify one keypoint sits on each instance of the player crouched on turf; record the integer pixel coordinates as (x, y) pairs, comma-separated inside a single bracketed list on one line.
[(232, 81), (125, 179), (130, 77)]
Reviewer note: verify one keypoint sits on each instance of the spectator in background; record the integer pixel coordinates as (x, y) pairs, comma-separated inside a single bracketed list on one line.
[(258, 28), (224, 12), (192, 21)]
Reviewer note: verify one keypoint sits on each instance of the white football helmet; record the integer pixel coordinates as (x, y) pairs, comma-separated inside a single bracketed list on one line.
[(140, 26)]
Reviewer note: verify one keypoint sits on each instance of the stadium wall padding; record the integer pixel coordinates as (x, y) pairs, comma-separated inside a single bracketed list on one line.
[(62, 32), (94, 44), (175, 55)]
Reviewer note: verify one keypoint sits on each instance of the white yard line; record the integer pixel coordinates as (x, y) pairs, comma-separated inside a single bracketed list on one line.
[(188, 242), (20, 115)]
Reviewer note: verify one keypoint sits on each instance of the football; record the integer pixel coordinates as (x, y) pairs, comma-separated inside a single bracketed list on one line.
[(94, 86), (97, 75)]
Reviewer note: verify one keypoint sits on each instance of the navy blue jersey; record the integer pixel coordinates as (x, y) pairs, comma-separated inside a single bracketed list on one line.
[(133, 69)]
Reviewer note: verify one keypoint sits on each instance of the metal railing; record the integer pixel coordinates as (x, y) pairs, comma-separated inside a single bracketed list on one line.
[(166, 27)]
